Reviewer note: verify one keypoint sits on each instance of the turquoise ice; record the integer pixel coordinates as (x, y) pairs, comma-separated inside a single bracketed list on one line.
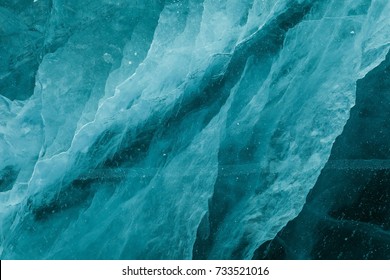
[(171, 129)]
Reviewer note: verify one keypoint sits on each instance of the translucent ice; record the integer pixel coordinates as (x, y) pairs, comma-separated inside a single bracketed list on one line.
[(171, 129)]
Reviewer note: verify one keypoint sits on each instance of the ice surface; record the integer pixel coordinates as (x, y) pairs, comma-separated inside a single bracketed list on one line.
[(346, 215), (171, 129)]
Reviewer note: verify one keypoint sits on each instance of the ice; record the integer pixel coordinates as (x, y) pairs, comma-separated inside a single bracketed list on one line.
[(346, 214), (172, 129)]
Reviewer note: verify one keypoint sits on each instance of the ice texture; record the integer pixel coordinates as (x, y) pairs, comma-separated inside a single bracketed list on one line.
[(346, 215), (171, 129)]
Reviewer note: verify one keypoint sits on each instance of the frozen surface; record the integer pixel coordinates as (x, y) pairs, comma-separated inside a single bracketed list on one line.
[(171, 129), (347, 214)]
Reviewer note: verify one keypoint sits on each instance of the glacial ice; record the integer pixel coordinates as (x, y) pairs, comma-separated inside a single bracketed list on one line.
[(171, 129)]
